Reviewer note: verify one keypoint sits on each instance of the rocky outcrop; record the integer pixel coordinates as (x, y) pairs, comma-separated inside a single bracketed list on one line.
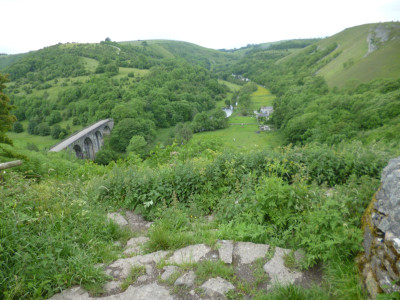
[(172, 274), (380, 262)]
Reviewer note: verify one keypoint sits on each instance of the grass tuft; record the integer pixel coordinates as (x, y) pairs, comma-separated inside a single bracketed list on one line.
[(134, 274)]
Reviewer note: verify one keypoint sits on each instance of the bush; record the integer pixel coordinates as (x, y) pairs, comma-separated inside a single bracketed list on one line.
[(32, 147), (17, 127), (42, 129), (50, 239), (105, 156)]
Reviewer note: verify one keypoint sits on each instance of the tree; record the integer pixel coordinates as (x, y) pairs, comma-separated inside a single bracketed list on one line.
[(42, 129), (6, 119), (105, 156), (183, 133), (17, 127), (55, 131), (127, 128), (137, 145), (31, 126)]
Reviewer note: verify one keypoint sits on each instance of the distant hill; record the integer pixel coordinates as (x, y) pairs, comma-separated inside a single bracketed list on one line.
[(192, 53), (7, 60)]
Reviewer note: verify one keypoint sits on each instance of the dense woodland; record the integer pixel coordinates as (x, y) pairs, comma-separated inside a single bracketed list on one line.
[(308, 193)]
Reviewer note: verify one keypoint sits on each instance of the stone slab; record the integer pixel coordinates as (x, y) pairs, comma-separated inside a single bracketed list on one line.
[(133, 246), (225, 251), (186, 279), (121, 267), (248, 252), (189, 254), (169, 271), (117, 218), (216, 288), (276, 270)]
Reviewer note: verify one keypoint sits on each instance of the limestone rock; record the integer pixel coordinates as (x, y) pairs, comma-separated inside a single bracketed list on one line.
[(133, 246), (215, 288), (117, 218), (136, 222), (74, 293), (276, 270), (225, 251), (150, 291), (186, 279), (189, 254), (368, 238), (121, 267), (112, 287), (248, 252), (143, 278), (169, 271), (372, 285), (382, 239)]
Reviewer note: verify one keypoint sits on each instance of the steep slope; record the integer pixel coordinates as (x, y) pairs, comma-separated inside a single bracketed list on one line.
[(364, 53)]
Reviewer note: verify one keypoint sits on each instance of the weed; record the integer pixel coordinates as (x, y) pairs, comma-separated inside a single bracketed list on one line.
[(209, 269), (134, 274), (171, 280), (290, 262), (293, 292), (342, 279)]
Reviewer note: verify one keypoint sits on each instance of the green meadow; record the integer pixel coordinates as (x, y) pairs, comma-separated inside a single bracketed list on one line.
[(261, 97), (243, 131), (241, 138)]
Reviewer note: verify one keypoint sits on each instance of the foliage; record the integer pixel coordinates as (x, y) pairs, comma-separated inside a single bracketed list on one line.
[(292, 291), (182, 133), (6, 119), (126, 129), (105, 156), (18, 127), (211, 269), (213, 120), (137, 145), (50, 238), (134, 274)]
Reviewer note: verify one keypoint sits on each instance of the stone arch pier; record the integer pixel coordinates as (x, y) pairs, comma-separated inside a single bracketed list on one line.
[(87, 142)]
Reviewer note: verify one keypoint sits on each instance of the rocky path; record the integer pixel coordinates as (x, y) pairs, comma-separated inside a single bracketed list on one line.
[(172, 274)]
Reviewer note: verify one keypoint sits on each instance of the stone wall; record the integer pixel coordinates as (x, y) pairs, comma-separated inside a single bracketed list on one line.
[(380, 263)]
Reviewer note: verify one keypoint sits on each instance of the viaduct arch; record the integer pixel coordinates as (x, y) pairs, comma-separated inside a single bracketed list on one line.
[(87, 142)]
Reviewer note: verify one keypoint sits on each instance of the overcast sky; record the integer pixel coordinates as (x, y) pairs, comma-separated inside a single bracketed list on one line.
[(33, 24)]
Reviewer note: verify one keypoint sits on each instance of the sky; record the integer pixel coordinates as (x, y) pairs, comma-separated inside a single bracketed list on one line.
[(33, 24)]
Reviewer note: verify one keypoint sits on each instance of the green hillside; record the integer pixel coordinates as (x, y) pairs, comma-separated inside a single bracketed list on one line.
[(62, 88), (364, 53)]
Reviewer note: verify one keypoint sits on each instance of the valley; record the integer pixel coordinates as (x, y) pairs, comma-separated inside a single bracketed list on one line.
[(194, 178)]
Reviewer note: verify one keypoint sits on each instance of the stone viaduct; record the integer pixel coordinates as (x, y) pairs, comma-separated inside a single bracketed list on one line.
[(87, 142)]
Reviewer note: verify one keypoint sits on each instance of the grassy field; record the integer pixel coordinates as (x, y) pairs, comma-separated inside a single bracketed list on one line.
[(233, 87), (241, 119), (138, 72), (22, 139), (261, 97), (90, 63), (242, 138)]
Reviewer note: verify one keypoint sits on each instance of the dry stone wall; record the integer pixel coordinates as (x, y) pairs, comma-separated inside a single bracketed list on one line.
[(380, 262)]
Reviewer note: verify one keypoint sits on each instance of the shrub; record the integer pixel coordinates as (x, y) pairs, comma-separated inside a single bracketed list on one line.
[(50, 238), (17, 127)]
